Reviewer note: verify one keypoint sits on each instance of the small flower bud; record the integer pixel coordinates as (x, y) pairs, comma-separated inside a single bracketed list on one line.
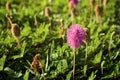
[(74, 2), (47, 12), (36, 64), (8, 6), (92, 2), (105, 3), (62, 26), (15, 30), (98, 10), (87, 34), (61, 22)]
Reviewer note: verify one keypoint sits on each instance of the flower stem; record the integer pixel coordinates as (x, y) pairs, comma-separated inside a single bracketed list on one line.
[(91, 13), (72, 16), (36, 23), (9, 20), (86, 52), (71, 11), (18, 41), (43, 74), (74, 63), (109, 47)]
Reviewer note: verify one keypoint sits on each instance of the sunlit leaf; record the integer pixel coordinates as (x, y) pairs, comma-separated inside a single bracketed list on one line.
[(26, 76), (68, 77), (92, 76), (85, 69), (97, 58), (22, 51), (2, 62)]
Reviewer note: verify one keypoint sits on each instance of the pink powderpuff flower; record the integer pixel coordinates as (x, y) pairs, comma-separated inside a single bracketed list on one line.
[(74, 2), (75, 36)]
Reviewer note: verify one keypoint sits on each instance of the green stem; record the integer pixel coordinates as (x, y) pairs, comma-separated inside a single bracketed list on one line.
[(47, 61), (91, 7), (99, 2), (36, 23), (50, 22), (8, 17), (72, 15), (109, 47), (18, 41), (40, 64), (86, 52), (74, 63), (43, 74), (100, 20)]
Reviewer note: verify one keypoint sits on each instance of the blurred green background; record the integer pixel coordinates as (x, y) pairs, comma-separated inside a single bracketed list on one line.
[(56, 56)]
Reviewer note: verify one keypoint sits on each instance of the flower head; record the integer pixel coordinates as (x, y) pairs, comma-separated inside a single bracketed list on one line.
[(92, 2), (75, 36), (15, 30), (36, 63), (74, 2), (87, 34), (47, 12), (8, 6), (98, 10)]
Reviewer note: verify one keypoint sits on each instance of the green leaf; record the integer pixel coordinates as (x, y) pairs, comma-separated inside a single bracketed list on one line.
[(2, 61), (22, 51), (97, 58), (26, 76), (108, 76), (92, 76), (26, 30), (62, 65), (12, 74), (69, 75), (103, 62), (85, 69), (8, 70)]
